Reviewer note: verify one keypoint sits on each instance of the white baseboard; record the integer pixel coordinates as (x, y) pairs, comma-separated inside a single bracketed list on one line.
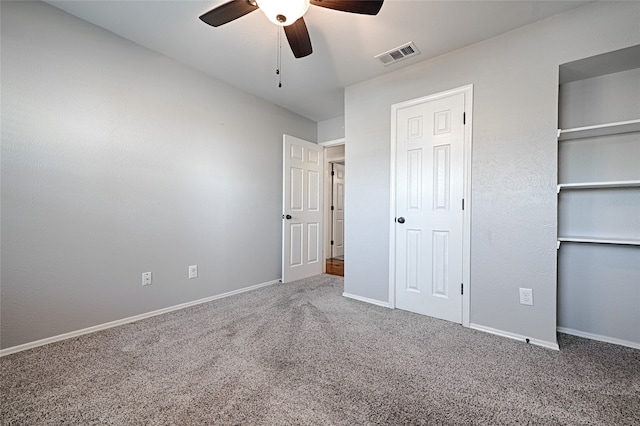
[(366, 300), (537, 342), (606, 339), (42, 342)]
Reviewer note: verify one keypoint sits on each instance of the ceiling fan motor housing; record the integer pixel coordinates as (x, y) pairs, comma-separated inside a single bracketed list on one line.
[(284, 12)]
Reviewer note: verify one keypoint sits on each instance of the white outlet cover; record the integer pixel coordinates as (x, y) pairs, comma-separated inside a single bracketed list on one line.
[(146, 278), (193, 271), (526, 296)]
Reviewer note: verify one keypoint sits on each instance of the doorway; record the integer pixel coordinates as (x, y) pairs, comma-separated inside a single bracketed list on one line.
[(334, 212), (430, 256)]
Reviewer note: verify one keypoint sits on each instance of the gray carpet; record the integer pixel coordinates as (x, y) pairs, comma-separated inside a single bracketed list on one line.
[(300, 353)]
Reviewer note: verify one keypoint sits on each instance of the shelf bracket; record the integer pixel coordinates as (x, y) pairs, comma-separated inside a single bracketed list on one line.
[(558, 245)]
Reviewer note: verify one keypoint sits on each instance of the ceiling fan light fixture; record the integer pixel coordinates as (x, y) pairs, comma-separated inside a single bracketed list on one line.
[(283, 12)]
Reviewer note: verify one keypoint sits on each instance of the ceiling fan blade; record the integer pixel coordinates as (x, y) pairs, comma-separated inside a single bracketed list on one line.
[(228, 12), (298, 37), (365, 7)]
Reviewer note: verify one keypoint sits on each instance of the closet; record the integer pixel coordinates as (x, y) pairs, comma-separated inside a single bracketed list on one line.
[(599, 198)]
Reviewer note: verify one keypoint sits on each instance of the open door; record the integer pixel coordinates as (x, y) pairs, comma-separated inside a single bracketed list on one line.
[(302, 233)]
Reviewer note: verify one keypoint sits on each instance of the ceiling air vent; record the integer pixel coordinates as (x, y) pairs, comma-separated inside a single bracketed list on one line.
[(398, 54)]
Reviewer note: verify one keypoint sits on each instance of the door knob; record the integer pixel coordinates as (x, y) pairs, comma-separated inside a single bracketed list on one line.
[(286, 217), (400, 219)]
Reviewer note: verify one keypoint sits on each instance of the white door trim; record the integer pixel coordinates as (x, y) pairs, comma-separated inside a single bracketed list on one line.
[(327, 196), (336, 209), (466, 255), (332, 142)]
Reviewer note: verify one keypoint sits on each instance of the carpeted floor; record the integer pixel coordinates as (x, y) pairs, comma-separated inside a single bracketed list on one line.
[(300, 353)]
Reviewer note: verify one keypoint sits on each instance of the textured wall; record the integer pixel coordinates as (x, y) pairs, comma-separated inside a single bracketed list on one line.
[(605, 99), (331, 129), (514, 161), (117, 160)]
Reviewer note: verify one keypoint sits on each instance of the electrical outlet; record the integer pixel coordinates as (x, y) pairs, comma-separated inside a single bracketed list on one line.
[(526, 296), (193, 271), (146, 278)]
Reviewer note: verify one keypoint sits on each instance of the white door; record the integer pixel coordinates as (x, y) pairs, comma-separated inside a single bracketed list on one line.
[(338, 210), (302, 210), (429, 224)]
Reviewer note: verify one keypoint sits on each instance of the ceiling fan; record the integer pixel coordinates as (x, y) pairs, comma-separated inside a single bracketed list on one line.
[(288, 14)]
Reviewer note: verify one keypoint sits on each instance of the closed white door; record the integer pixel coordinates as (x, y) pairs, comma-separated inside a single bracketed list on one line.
[(429, 207), (302, 210), (338, 210)]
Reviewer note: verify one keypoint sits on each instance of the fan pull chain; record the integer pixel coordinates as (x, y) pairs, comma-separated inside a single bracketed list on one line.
[(279, 57)]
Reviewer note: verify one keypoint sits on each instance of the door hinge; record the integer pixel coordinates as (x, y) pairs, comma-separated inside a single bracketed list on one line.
[(332, 207), (332, 173), (463, 204), (461, 288), (331, 242), (464, 118)]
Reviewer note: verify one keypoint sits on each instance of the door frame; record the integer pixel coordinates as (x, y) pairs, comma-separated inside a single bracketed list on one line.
[(466, 227), (327, 212), (330, 213)]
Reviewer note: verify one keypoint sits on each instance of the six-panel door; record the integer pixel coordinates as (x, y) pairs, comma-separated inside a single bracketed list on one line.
[(302, 210), (429, 192)]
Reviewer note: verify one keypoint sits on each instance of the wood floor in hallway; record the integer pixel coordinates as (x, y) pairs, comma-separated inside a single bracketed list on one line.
[(335, 267)]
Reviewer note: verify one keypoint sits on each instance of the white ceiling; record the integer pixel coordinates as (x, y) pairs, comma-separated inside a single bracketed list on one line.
[(243, 53)]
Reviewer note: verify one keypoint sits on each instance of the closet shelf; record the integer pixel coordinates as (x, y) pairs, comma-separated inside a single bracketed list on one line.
[(616, 241), (596, 185), (607, 129)]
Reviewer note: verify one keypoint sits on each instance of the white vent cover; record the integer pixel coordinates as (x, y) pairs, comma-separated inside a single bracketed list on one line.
[(399, 53)]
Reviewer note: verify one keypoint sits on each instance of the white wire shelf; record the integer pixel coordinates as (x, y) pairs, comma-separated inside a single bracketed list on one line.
[(597, 185), (589, 240), (606, 129)]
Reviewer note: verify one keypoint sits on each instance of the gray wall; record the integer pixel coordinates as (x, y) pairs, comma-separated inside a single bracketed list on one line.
[(605, 99), (117, 160), (513, 239), (331, 129)]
